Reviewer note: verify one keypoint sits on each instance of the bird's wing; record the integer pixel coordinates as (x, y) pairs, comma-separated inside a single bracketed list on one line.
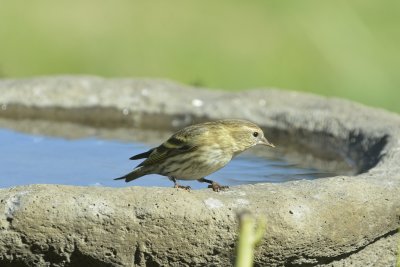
[(176, 144)]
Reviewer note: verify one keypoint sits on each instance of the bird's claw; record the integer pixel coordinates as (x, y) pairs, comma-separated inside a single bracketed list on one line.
[(187, 188), (217, 187)]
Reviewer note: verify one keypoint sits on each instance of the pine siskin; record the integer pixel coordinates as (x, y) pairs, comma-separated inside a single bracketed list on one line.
[(198, 150)]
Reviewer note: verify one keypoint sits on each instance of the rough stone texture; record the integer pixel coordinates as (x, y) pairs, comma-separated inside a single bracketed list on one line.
[(338, 221)]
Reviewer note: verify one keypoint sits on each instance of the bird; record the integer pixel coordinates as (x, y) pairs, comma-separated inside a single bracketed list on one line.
[(196, 151)]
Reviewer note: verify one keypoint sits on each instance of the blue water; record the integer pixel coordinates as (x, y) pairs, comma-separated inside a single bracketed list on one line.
[(34, 159)]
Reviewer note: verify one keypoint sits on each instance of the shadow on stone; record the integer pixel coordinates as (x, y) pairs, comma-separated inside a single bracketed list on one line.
[(78, 259)]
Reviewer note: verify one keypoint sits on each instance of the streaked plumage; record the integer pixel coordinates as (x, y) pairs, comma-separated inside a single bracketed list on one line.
[(198, 150)]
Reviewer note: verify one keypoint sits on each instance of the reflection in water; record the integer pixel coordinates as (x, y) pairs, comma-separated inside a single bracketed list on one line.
[(33, 159)]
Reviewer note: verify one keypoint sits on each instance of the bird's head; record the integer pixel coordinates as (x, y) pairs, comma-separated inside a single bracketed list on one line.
[(245, 134)]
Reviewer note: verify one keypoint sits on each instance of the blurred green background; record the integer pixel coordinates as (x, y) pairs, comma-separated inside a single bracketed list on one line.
[(337, 48)]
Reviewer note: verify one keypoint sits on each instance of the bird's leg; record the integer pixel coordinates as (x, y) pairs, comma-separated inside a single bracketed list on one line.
[(215, 186), (176, 185)]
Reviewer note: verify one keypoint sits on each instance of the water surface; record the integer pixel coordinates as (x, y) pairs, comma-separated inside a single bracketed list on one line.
[(93, 161)]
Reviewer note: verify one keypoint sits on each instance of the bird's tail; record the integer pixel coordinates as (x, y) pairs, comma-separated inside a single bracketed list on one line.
[(136, 173)]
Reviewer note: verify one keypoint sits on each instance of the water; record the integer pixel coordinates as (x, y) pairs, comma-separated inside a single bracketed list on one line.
[(37, 159)]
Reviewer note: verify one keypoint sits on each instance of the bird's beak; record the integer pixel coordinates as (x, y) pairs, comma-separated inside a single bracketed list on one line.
[(265, 142)]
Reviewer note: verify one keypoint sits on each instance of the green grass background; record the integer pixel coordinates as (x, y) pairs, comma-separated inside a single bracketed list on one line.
[(349, 49)]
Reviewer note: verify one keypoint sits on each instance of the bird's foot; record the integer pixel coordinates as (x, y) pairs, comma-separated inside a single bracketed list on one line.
[(187, 188), (217, 187)]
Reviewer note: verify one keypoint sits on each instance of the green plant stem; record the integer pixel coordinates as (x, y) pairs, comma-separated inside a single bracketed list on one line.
[(249, 237)]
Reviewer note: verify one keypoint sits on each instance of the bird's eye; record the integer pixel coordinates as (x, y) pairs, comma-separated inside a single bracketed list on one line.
[(255, 134)]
